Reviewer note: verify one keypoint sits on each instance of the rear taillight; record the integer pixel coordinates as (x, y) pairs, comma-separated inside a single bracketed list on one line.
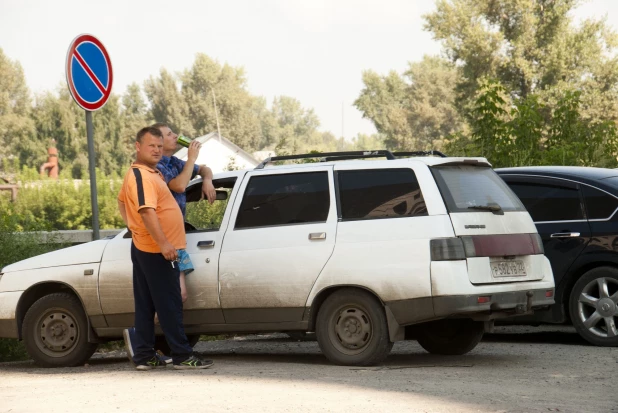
[(447, 249), (470, 246), (537, 241)]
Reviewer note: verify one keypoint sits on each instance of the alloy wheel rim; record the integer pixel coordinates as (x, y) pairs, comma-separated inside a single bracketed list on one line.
[(598, 307)]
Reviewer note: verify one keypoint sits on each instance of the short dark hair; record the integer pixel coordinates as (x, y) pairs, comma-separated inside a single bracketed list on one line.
[(148, 129), (160, 125)]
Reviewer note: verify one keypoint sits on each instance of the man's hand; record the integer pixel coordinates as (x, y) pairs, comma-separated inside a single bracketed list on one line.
[(208, 191), (169, 252), (193, 151)]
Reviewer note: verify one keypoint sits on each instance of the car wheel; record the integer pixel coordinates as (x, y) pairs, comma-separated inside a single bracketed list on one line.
[(450, 337), (55, 331), (593, 306), (351, 328), (161, 343)]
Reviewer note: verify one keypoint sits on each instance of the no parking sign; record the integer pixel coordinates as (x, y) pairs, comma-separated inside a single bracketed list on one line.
[(90, 77), (89, 72)]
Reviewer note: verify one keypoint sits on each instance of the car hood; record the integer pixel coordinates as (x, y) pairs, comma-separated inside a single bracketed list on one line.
[(79, 254)]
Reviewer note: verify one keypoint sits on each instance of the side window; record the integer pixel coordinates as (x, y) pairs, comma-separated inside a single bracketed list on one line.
[(203, 216), (600, 205), (380, 193), (549, 203), (284, 199)]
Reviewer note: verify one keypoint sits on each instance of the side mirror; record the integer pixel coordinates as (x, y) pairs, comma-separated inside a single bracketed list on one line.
[(221, 195)]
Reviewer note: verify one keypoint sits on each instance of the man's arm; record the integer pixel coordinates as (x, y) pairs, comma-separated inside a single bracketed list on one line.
[(152, 224), (208, 189), (123, 212), (179, 184)]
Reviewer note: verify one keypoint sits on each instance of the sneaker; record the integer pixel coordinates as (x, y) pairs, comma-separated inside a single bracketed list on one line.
[(153, 363), (129, 335), (164, 358), (193, 363)]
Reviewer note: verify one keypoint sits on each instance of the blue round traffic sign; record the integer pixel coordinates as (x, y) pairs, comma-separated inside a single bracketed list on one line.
[(89, 72)]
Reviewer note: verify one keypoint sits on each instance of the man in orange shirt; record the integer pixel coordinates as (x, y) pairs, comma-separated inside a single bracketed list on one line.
[(157, 226)]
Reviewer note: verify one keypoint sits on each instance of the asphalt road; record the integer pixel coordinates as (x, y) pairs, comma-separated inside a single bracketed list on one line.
[(516, 369)]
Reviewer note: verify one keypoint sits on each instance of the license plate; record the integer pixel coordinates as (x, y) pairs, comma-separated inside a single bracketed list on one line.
[(515, 268)]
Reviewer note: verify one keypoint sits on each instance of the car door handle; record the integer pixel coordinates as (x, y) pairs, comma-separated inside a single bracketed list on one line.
[(317, 235), (565, 235), (206, 244)]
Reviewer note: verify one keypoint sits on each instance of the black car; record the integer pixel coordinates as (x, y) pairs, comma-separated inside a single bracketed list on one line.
[(574, 209)]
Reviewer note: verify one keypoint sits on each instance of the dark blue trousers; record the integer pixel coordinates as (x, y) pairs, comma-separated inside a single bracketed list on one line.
[(156, 288)]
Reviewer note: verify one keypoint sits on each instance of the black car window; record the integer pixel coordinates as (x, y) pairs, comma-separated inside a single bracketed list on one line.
[(284, 199), (548, 202), (380, 193), (600, 205)]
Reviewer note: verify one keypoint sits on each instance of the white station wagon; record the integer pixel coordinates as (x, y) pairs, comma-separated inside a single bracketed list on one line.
[(363, 252)]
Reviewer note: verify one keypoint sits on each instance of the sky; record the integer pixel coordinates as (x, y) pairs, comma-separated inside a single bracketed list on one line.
[(312, 50)]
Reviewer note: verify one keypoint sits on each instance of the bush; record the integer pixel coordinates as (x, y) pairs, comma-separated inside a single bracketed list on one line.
[(63, 204)]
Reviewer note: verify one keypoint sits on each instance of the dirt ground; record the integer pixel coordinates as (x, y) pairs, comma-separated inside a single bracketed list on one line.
[(516, 369)]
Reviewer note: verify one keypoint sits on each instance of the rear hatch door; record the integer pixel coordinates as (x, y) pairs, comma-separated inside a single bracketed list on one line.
[(500, 238)]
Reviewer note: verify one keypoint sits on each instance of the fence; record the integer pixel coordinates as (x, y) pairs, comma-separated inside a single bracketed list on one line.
[(74, 236)]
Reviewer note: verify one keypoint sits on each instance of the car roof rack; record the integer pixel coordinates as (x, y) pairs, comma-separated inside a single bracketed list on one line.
[(421, 153), (340, 156)]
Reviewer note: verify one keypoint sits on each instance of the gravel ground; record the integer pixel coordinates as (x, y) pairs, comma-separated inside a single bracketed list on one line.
[(515, 369)]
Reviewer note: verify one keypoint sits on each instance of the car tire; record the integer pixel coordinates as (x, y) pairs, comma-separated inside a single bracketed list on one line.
[(55, 331), (450, 337), (593, 306), (161, 343), (351, 329)]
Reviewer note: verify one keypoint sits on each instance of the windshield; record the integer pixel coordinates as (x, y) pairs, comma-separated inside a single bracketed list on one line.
[(472, 189)]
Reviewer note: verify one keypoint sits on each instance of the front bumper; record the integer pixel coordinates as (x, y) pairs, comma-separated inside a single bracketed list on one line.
[(8, 319)]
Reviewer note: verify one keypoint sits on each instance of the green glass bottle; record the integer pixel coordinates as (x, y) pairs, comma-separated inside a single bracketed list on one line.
[(184, 141)]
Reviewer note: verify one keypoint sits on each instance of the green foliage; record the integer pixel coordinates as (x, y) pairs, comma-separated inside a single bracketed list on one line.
[(532, 134), (413, 111), (530, 47), (62, 204), (15, 107)]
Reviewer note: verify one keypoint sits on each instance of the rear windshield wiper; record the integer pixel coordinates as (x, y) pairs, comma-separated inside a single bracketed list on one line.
[(492, 208)]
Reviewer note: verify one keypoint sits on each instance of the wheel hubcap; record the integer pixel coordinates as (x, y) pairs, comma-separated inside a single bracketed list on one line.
[(351, 330), (57, 333), (598, 307)]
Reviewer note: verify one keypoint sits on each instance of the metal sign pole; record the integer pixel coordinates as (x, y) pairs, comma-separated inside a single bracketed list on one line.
[(93, 177)]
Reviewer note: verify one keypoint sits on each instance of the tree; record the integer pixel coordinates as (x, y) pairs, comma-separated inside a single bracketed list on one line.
[(523, 136), (16, 126), (207, 84), (413, 111), (530, 47), (167, 103), (134, 116)]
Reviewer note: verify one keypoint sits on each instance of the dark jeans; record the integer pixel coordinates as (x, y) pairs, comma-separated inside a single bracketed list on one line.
[(156, 288)]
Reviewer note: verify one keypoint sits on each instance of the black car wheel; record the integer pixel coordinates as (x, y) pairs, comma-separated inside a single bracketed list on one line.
[(450, 337), (593, 306), (351, 328), (55, 332)]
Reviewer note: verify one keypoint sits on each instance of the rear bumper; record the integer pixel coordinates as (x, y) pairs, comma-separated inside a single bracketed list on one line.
[(498, 305), (504, 304)]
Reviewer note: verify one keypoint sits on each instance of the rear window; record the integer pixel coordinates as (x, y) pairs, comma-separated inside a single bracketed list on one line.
[(465, 187)]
